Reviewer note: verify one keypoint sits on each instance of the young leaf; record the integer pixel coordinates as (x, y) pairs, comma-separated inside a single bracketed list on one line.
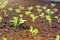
[(5, 13), (48, 11), (33, 17), (33, 31), (22, 20), (21, 7), (56, 17), (3, 5), (39, 10), (27, 12), (53, 4), (55, 9), (57, 37), (42, 15), (14, 21), (0, 18), (10, 9), (30, 8), (38, 6), (44, 7), (3, 38), (48, 18), (18, 11)]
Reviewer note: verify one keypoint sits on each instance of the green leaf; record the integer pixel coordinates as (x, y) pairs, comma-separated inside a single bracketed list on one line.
[(27, 12), (53, 4), (42, 15), (48, 11), (55, 9), (5, 13), (38, 6), (18, 11), (3, 38), (48, 18), (57, 37), (39, 10), (14, 21), (10, 9), (33, 17), (56, 17), (21, 7), (30, 8), (0, 18), (3, 5), (44, 7)]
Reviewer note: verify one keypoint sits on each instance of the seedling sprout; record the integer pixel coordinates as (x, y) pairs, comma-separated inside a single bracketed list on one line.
[(5, 13), (14, 21), (21, 7), (0, 18), (30, 8), (3, 5), (27, 12), (18, 11), (44, 7), (53, 5), (42, 15), (38, 6), (48, 18), (56, 17), (3, 38), (39, 10), (55, 9), (48, 11), (33, 17), (57, 37), (10, 9), (33, 31)]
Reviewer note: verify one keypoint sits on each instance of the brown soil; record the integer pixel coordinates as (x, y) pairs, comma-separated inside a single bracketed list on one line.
[(46, 32)]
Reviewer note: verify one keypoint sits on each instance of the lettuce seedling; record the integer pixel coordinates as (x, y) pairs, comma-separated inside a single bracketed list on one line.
[(30, 8), (3, 5), (42, 15), (55, 9), (22, 20), (53, 4), (5, 13), (27, 12), (18, 11), (33, 31), (33, 17), (48, 11), (57, 37), (56, 17), (44, 7), (10, 9), (0, 18), (59, 20), (21, 7), (14, 21), (39, 10), (48, 18), (38, 6), (4, 38)]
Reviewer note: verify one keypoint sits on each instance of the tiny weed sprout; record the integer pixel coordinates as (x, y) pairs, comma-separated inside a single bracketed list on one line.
[(14, 21), (22, 20), (57, 37), (33, 31), (52, 12), (30, 8), (48, 18), (42, 15), (10, 9), (0, 18), (39, 10), (59, 20), (38, 6), (3, 38), (5, 13), (44, 7), (18, 11), (53, 4), (56, 17), (27, 12), (55, 9), (48, 11), (3, 5), (21, 7), (33, 17)]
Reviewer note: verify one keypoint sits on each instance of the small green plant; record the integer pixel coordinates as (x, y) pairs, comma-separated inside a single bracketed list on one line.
[(33, 31), (5, 13), (4, 38), (18, 11), (14, 21), (33, 17), (57, 37), (44, 7), (39, 10), (56, 17), (27, 12), (48, 18), (38, 6), (30, 8), (53, 4), (55, 9), (42, 15), (22, 20), (21, 7), (0, 18), (3, 5), (10, 9)]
